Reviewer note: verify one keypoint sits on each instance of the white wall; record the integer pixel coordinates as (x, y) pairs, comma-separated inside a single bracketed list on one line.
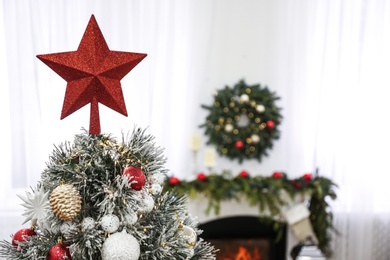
[(252, 40)]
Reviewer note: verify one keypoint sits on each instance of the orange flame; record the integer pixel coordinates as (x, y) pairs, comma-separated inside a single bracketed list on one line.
[(244, 254)]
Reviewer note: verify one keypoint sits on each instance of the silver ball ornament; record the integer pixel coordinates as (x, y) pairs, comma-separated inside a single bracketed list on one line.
[(243, 121), (55, 229), (189, 235)]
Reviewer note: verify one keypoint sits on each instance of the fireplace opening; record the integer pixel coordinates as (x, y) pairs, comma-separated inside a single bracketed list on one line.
[(245, 238)]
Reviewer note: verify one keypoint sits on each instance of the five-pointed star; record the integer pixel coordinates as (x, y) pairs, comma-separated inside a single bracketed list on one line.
[(93, 73)]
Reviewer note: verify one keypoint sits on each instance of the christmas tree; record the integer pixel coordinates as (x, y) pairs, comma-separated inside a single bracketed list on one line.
[(100, 198)]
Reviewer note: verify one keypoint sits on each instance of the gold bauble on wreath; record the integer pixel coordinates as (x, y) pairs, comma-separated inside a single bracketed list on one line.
[(243, 121), (65, 201)]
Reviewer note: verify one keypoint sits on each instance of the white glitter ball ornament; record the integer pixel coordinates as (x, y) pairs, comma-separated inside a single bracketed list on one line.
[(110, 223), (131, 218), (121, 246), (146, 204), (155, 189), (88, 223), (191, 253), (157, 178), (66, 228)]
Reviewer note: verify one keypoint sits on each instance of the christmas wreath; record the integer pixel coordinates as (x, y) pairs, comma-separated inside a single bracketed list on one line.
[(243, 121)]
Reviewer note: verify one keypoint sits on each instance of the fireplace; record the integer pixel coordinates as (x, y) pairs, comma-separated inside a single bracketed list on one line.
[(245, 238)]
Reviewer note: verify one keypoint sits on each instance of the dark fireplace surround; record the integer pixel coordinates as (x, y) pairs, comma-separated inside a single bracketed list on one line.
[(246, 227)]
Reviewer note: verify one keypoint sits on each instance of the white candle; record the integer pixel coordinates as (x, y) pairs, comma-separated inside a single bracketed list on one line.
[(209, 157), (195, 142)]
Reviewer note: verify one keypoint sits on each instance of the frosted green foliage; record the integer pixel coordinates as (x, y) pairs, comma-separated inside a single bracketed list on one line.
[(94, 164), (163, 240)]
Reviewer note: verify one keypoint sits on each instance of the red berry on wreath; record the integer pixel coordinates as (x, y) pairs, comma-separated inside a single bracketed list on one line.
[(239, 144), (59, 251), (277, 175), (135, 176), (21, 235), (270, 124), (173, 181), (244, 174), (201, 177)]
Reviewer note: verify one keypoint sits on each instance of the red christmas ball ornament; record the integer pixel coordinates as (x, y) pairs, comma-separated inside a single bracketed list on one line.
[(296, 184), (201, 177), (173, 181), (277, 175), (244, 174), (21, 235), (307, 177), (135, 176), (270, 124), (59, 252), (239, 144)]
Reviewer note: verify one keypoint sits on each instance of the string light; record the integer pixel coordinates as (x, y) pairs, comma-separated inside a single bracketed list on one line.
[(178, 219)]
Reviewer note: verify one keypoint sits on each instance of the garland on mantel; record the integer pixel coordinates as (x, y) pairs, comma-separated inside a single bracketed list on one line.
[(267, 193)]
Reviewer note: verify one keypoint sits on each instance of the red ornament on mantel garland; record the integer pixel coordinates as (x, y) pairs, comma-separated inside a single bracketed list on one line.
[(21, 235), (296, 184), (201, 176), (135, 176), (244, 174), (277, 175), (239, 144), (173, 181), (93, 73), (59, 251), (307, 177)]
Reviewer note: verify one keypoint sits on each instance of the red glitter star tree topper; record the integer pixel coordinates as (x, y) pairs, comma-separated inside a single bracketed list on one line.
[(93, 74)]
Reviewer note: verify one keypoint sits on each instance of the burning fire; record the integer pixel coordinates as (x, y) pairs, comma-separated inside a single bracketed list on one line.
[(244, 254)]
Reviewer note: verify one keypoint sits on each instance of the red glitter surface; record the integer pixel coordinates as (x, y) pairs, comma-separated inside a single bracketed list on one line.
[(93, 74)]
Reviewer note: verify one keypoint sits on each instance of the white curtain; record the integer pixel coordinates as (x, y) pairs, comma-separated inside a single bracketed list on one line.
[(160, 92), (327, 60)]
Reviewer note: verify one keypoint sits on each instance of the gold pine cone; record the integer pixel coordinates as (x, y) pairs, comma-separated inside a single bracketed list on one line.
[(65, 201)]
